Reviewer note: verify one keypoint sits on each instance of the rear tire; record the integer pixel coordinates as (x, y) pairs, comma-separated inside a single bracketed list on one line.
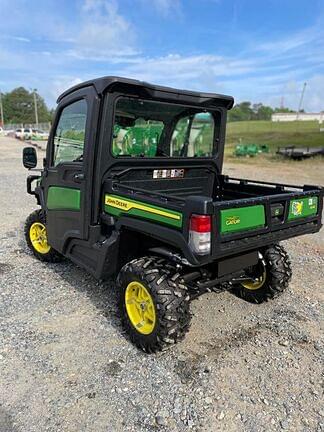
[(277, 275), (40, 248), (165, 295)]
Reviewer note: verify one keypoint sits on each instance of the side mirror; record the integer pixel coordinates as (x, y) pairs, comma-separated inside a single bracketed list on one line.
[(29, 157)]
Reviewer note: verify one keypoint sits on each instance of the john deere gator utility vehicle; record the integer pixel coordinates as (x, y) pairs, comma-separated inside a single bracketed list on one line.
[(132, 186)]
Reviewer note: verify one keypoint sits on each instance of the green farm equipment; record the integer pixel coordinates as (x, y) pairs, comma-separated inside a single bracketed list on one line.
[(250, 150)]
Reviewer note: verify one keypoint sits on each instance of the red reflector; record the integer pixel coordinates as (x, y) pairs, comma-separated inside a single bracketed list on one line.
[(200, 223)]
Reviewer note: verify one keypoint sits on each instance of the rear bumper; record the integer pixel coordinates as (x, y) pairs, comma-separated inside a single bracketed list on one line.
[(258, 241)]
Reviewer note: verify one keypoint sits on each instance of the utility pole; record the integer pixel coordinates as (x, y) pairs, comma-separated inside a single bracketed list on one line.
[(301, 100), (35, 106), (1, 110), (282, 102)]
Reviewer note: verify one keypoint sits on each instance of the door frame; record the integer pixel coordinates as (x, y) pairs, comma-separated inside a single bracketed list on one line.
[(59, 175)]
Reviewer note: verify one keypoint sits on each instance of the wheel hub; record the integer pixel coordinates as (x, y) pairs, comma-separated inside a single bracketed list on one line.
[(255, 284), (140, 307), (38, 238), (258, 275)]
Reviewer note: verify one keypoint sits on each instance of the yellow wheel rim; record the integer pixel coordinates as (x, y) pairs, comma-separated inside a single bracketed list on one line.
[(38, 238), (258, 283), (140, 307)]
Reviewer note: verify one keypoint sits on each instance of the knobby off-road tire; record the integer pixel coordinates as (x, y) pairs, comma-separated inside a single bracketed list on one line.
[(167, 293), (44, 251), (277, 276)]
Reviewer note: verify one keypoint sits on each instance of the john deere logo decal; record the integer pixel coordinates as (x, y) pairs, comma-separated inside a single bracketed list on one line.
[(126, 205), (297, 208), (232, 220), (117, 203)]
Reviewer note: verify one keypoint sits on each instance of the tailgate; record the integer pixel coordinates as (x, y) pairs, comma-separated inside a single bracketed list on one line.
[(254, 222)]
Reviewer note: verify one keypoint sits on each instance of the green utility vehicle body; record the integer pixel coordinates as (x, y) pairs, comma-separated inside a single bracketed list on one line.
[(133, 169), (91, 204)]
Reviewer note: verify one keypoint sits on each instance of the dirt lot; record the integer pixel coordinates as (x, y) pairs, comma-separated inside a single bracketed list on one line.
[(66, 365)]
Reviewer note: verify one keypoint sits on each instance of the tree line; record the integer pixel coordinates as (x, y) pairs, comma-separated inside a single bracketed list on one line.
[(19, 107), (248, 111)]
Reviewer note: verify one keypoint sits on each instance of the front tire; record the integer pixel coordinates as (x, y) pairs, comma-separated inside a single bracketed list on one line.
[(154, 303), (273, 276), (36, 238)]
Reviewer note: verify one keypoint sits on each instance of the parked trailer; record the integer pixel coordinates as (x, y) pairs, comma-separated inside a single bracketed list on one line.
[(299, 153)]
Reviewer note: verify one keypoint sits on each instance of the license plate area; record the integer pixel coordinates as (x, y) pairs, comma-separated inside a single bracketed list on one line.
[(236, 263)]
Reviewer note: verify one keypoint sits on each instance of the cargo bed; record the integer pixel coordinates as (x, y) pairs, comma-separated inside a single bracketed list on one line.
[(269, 212), (247, 214)]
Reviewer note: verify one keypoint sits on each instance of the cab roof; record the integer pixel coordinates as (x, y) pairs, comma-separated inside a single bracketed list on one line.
[(112, 83)]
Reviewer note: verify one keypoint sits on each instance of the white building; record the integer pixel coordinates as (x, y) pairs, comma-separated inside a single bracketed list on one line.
[(285, 117)]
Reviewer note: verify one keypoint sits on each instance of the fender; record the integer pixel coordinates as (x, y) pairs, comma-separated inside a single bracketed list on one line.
[(164, 234)]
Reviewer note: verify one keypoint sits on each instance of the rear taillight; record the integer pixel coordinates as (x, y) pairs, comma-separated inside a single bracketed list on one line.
[(199, 234)]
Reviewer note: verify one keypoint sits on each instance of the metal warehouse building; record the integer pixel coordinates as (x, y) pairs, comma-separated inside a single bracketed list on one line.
[(285, 117)]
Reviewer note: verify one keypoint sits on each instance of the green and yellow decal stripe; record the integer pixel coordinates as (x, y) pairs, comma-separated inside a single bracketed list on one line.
[(117, 206)]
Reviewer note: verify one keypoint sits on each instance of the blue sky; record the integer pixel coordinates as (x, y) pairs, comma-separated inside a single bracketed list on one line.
[(258, 50)]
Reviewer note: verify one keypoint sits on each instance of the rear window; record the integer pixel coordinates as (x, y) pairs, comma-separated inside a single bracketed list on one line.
[(155, 129), (193, 136)]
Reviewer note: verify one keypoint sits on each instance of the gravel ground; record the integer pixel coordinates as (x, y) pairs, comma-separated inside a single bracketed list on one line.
[(66, 365)]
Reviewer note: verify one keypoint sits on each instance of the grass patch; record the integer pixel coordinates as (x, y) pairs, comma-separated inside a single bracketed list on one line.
[(274, 134)]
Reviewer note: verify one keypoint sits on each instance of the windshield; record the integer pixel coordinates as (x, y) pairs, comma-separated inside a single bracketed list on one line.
[(152, 129)]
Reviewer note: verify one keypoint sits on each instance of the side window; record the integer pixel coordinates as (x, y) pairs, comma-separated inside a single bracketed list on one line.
[(70, 133), (193, 136)]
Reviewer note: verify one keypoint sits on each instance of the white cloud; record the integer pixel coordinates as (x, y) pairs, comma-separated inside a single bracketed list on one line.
[(251, 78), (60, 84), (14, 38), (103, 32), (187, 68), (293, 42), (165, 7)]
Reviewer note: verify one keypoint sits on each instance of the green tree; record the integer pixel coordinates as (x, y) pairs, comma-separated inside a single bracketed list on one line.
[(241, 111), (246, 111), (18, 107), (283, 110), (262, 112)]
